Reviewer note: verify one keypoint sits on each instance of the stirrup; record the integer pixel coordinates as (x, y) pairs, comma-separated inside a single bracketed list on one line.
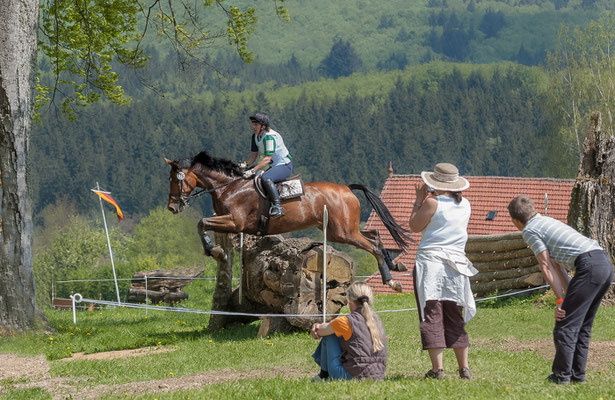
[(276, 212)]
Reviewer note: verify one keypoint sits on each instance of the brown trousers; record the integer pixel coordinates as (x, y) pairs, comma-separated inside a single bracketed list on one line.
[(443, 325)]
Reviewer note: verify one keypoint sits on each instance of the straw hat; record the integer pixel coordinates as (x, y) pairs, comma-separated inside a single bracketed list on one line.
[(445, 177)]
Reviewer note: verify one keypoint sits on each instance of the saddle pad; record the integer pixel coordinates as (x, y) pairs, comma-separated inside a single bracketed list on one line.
[(290, 189)]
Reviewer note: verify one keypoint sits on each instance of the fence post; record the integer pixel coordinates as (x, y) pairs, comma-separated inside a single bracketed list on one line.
[(325, 221)]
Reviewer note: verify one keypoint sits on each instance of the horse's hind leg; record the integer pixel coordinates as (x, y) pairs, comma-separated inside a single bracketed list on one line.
[(370, 241), (374, 237)]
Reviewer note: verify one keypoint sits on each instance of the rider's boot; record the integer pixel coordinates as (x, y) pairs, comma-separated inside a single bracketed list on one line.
[(211, 249), (276, 210)]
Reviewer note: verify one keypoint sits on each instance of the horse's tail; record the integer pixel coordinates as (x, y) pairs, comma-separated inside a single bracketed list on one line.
[(399, 233)]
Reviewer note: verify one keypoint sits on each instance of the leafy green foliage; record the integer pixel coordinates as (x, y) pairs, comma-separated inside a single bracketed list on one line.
[(83, 39), (583, 80), (341, 61), (164, 240), (78, 251)]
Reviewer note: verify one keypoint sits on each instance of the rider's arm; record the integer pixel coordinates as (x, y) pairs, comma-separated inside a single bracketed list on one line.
[(252, 157), (262, 163)]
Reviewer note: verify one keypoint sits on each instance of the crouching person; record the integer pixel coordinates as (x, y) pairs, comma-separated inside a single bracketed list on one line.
[(556, 245), (352, 346)]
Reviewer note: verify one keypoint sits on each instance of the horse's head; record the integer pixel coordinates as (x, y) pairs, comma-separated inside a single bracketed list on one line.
[(182, 182)]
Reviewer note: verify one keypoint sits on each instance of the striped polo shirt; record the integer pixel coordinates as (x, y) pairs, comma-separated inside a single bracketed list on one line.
[(563, 242)]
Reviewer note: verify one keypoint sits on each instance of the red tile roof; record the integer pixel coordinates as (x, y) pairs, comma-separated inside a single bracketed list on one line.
[(486, 193)]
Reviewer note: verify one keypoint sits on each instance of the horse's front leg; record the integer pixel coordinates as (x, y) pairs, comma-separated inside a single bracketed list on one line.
[(223, 223)]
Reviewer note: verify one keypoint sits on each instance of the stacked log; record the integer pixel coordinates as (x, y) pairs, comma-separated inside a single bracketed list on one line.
[(285, 276), (163, 285), (504, 262)]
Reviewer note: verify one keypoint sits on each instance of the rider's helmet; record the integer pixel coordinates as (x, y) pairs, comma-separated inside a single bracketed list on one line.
[(260, 118)]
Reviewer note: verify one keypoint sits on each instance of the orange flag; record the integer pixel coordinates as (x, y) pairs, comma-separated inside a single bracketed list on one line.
[(106, 196)]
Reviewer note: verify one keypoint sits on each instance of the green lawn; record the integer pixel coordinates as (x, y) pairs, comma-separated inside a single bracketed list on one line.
[(502, 357)]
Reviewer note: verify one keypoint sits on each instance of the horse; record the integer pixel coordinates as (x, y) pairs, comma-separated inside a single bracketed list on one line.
[(235, 203)]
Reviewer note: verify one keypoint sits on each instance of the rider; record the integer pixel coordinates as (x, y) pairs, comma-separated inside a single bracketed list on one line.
[(269, 143)]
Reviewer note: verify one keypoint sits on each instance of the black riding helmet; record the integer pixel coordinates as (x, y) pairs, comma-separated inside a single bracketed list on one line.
[(260, 118)]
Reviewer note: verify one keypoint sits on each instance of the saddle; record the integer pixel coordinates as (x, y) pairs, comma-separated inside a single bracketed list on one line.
[(288, 189)]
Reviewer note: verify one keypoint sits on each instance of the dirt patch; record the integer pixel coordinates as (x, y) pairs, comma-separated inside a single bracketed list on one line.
[(601, 354), (110, 355), (28, 372), (23, 368), (196, 381)]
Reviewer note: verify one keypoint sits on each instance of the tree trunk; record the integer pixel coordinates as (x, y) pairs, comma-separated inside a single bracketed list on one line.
[(592, 206), (18, 41)]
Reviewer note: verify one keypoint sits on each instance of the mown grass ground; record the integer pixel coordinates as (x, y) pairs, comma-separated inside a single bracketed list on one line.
[(501, 369)]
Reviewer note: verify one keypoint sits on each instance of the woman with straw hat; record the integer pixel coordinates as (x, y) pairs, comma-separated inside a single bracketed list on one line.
[(442, 271)]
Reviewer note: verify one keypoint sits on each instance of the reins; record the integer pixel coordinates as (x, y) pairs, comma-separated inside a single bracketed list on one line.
[(186, 200)]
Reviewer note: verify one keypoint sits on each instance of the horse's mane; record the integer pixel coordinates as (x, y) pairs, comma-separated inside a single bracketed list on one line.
[(217, 164)]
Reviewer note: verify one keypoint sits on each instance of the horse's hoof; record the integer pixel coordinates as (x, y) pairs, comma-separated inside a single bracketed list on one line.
[(395, 285), (400, 267), (217, 252)]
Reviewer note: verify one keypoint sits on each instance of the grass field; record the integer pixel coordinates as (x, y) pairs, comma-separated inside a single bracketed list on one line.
[(510, 357)]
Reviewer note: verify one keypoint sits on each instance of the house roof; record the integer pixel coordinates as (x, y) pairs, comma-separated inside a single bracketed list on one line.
[(486, 193)]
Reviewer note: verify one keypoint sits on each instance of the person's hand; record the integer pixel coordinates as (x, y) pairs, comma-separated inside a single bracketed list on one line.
[(421, 192), (243, 165), (249, 174), (314, 331), (559, 312)]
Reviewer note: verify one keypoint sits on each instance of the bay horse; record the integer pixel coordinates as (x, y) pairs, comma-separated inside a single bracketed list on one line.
[(235, 203)]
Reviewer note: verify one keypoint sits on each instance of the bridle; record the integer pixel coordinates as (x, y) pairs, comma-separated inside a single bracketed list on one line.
[(185, 200)]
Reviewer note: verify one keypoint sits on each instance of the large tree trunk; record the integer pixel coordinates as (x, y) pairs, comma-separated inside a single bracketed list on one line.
[(592, 207), (18, 29)]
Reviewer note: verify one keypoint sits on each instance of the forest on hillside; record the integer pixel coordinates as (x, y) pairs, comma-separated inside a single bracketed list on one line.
[(352, 86), (486, 123)]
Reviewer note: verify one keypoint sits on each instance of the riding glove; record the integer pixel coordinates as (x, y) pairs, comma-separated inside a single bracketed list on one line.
[(249, 174)]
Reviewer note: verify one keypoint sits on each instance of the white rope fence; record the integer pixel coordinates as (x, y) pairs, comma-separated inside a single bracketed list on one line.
[(78, 298)]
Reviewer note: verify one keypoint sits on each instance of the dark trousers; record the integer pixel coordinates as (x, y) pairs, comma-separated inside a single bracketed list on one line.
[(592, 279)]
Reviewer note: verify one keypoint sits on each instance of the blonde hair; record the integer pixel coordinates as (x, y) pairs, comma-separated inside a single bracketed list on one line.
[(361, 290)]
